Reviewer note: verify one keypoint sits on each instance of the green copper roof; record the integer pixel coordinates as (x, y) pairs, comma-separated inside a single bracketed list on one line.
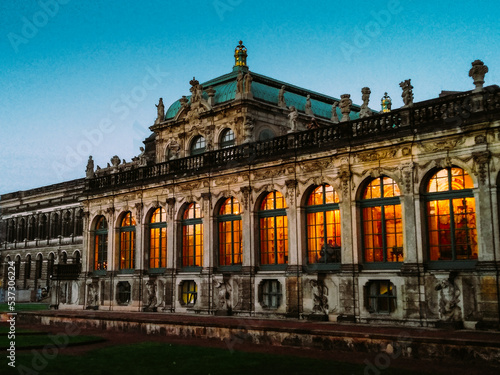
[(266, 89)]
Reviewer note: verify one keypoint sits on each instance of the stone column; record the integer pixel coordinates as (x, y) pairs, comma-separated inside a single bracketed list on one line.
[(139, 239), (293, 257), (247, 230), (110, 217)]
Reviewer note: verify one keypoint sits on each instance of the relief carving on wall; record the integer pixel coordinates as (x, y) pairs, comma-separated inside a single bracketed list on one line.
[(376, 155), (442, 145), (480, 167), (224, 291), (320, 297), (151, 299), (92, 296), (449, 299)]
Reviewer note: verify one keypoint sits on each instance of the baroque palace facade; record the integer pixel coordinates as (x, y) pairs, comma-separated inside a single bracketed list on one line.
[(256, 197)]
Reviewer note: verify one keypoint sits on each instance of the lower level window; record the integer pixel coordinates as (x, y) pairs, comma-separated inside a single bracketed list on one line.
[(189, 293), (381, 296), (123, 292), (271, 294)]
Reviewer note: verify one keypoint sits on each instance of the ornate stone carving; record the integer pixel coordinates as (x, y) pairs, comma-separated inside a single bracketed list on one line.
[(189, 186), (291, 187), (115, 161), (315, 166), (376, 155), (170, 206), (308, 107), (345, 107), (480, 139), (151, 299), (196, 91), (281, 97), (246, 190), (364, 110), (449, 299), (407, 94), (92, 296), (138, 211), (248, 129), (345, 177), (211, 95), (320, 297), (239, 83), (248, 83), (481, 160), (89, 172), (477, 72), (224, 290), (173, 150), (292, 119), (443, 145), (225, 180), (160, 108), (406, 176), (335, 117)]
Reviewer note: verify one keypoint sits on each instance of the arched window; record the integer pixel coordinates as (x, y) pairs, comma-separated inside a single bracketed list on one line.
[(50, 266), (66, 225), (27, 267), (79, 223), (32, 228), (64, 258), (77, 258), (55, 226), (266, 134), (273, 226), (127, 241), (22, 230), (451, 216), (382, 224), (229, 219), (17, 267), (323, 226), (42, 231), (101, 244), (158, 239), (198, 145), (39, 263), (192, 236), (11, 231), (227, 138)]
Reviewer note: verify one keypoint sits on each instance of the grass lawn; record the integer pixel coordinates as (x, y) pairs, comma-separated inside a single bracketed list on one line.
[(39, 340), (25, 307), (163, 358)]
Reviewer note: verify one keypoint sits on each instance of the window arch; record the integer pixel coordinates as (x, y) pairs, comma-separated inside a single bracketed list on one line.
[(323, 225), (127, 241), (198, 145), (50, 266), (273, 228), (230, 233), (22, 230), (77, 257), (55, 225), (101, 244), (451, 216), (17, 267), (32, 228), (39, 263), (158, 239), (227, 138), (27, 267), (42, 232), (192, 236), (266, 134), (382, 222)]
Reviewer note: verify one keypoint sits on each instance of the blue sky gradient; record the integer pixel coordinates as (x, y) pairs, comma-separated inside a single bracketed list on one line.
[(83, 77)]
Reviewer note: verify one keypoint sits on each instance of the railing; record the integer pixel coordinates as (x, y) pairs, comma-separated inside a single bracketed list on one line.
[(423, 117)]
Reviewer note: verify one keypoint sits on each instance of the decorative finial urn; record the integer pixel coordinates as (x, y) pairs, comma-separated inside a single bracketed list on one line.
[(477, 72), (240, 55)]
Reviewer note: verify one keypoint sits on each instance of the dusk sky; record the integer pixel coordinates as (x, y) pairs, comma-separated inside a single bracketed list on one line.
[(82, 78)]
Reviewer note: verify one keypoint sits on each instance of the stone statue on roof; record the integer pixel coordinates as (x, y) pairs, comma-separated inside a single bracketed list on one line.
[(364, 110), (196, 90), (292, 119), (248, 83), (239, 83), (345, 107), (308, 108), (407, 94), (281, 97), (477, 72), (335, 117), (160, 108), (89, 172), (386, 103)]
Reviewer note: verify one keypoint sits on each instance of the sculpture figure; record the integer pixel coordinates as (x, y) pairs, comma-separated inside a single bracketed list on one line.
[(239, 83), (308, 108), (281, 97), (364, 110), (320, 297), (449, 294), (248, 129), (293, 116), (151, 296), (335, 117), (407, 94), (345, 107), (248, 83), (89, 172), (196, 90), (160, 108)]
